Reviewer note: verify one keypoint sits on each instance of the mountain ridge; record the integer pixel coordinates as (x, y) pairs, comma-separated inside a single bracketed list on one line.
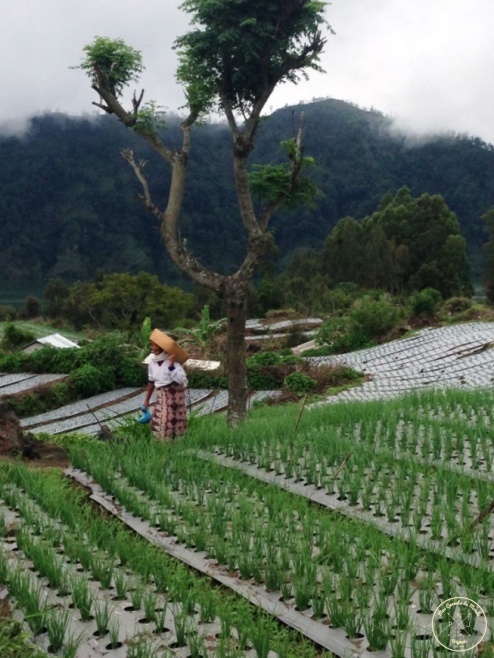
[(69, 204)]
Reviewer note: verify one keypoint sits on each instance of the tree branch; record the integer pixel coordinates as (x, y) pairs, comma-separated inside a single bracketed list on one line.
[(128, 155)]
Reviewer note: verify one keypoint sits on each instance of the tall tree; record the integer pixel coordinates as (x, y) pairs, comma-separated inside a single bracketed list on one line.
[(488, 278), (237, 53)]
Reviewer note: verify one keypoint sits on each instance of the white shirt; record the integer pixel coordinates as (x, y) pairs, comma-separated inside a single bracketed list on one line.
[(160, 375)]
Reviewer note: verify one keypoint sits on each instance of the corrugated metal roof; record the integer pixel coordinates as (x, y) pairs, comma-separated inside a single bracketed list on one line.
[(56, 340)]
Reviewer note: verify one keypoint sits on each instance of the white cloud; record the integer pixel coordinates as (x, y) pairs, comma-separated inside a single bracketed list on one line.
[(427, 63)]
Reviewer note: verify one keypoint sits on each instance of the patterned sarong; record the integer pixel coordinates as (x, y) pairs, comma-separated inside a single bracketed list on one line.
[(170, 413)]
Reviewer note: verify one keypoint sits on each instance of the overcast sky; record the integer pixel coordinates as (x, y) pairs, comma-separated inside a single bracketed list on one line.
[(427, 63)]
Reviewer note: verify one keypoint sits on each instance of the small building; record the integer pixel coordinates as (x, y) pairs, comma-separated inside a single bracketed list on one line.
[(55, 340)]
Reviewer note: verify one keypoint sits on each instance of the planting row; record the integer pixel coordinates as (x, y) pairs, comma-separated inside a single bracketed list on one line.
[(84, 583), (358, 471), (381, 591)]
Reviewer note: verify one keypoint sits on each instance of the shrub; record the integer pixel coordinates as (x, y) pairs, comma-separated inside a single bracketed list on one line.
[(340, 336), (86, 380), (297, 382), (12, 362), (31, 308), (373, 317), (336, 300), (456, 305), (14, 338), (264, 359), (7, 313), (264, 378), (425, 302), (59, 394), (204, 379), (333, 375), (51, 359), (129, 372), (294, 337), (27, 405)]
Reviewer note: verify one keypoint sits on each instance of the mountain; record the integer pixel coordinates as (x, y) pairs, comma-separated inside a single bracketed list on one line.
[(69, 202)]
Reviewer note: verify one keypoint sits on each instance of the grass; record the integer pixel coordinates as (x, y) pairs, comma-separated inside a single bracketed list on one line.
[(105, 535), (413, 441), (14, 641), (42, 329)]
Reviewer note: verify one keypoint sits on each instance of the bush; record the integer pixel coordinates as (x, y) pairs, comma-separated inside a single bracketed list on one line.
[(297, 382), (264, 359), (425, 302), (294, 337), (373, 317), (340, 336), (336, 299), (51, 359), (7, 313), (86, 380), (59, 395), (283, 357), (14, 338), (204, 379), (456, 305), (12, 362), (264, 378), (31, 308)]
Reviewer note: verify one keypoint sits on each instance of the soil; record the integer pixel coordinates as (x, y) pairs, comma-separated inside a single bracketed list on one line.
[(48, 455)]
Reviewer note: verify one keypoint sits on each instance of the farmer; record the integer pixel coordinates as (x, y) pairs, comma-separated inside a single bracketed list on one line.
[(168, 378)]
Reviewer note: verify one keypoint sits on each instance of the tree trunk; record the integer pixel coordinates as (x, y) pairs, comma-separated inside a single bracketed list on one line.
[(235, 359)]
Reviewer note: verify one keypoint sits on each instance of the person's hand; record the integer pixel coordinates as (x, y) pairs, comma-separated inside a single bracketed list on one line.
[(171, 359)]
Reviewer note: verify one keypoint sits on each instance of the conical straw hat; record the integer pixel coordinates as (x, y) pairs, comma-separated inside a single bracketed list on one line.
[(168, 345)]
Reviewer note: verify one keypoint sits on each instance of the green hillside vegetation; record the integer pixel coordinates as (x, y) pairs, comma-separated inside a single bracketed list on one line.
[(69, 203)]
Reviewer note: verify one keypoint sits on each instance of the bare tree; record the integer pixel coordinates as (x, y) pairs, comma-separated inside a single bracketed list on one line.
[(231, 62)]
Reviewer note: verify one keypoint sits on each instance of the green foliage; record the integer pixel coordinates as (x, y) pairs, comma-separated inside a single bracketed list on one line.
[(272, 359), (86, 380), (50, 359), (297, 382), (425, 302), (369, 318), (60, 394), (240, 47), (150, 119), (11, 362), (267, 370), (55, 293), (337, 299), (31, 308), (206, 329), (406, 244), (7, 313), (373, 317), (488, 274), (41, 400), (118, 62), (456, 305), (118, 365), (14, 641), (204, 379), (14, 337), (270, 183), (108, 352), (339, 335), (264, 378), (122, 301), (264, 359), (357, 161)]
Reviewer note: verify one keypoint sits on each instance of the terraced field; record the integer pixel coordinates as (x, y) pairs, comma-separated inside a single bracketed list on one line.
[(359, 529)]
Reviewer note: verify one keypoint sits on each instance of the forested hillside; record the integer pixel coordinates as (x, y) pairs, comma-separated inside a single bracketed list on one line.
[(69, 203)]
